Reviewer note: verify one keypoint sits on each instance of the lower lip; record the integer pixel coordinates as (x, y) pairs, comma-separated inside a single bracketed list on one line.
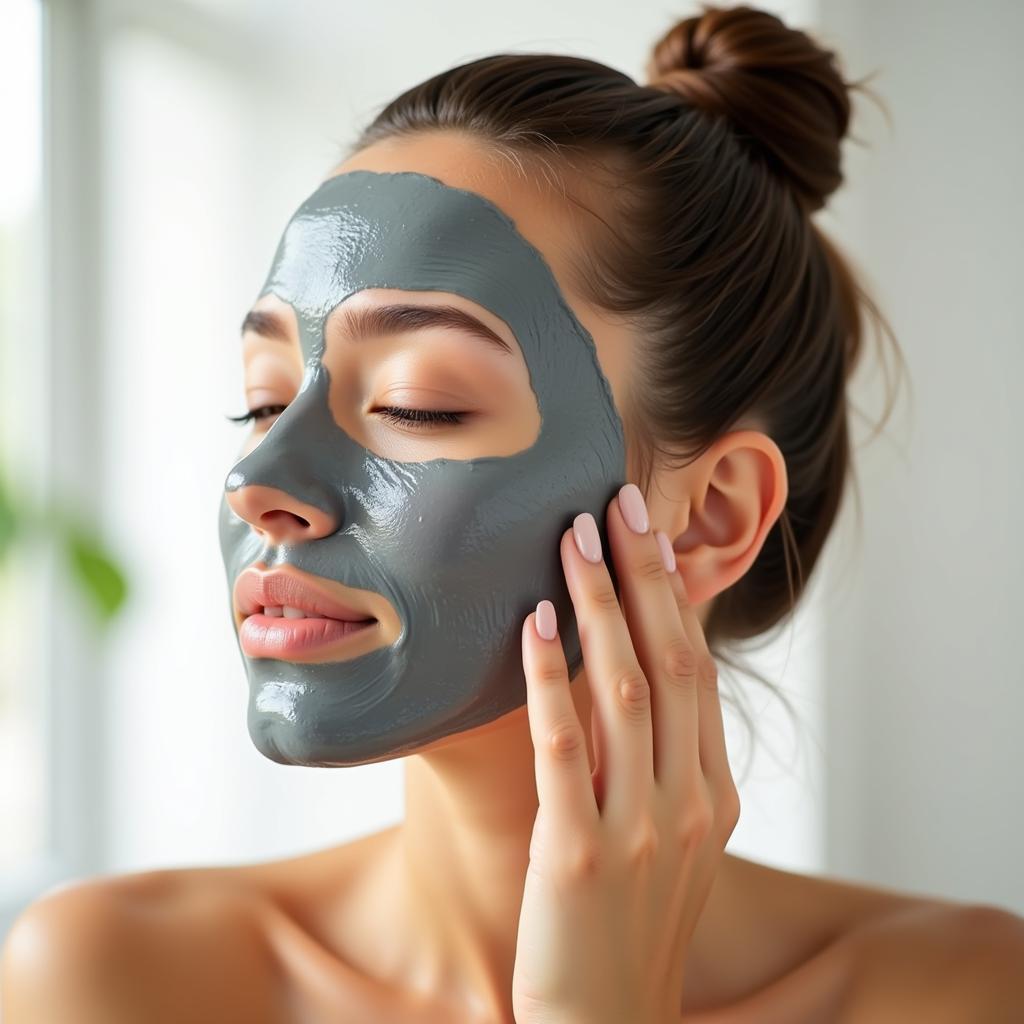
[(273, 636)]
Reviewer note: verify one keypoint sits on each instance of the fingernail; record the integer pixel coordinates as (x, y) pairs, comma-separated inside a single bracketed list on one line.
[(668, 556), (634, 510), (588, 540), (546, 620)]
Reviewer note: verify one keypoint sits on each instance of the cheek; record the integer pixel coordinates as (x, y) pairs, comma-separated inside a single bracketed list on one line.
[(449, 525)]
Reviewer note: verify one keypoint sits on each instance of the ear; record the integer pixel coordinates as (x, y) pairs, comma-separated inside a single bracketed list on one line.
[(728, 500)]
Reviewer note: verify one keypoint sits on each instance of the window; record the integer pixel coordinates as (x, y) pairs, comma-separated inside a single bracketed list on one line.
[(24, 771)]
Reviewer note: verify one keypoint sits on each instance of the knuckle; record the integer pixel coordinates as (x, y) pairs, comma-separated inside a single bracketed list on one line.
[(729, 809), (583, 861), (642, 844), (549, 673), (707, 673), (682, 595), (696, 822), (565, 740), (650, 567), (604, 599), (683, 602), (680, 662), (634, 693)]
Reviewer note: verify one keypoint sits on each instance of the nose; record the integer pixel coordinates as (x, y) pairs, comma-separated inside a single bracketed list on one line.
[(279, 517)]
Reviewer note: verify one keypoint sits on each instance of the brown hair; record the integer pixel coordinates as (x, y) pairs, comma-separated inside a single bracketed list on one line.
[(746, 310)]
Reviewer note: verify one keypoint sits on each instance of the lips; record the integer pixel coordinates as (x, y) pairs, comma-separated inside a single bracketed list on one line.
[(255, 590)]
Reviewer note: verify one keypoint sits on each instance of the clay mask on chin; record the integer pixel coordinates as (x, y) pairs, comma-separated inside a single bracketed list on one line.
[(463, 549)]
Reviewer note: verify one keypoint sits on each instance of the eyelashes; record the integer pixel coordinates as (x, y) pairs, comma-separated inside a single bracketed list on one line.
[(420, 419), (257, 414)]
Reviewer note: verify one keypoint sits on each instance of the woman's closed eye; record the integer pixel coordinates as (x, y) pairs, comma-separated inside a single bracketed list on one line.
[(259, 413), (418, 418)]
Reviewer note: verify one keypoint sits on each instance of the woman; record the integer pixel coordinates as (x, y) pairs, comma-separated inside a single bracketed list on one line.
[(547, 389)]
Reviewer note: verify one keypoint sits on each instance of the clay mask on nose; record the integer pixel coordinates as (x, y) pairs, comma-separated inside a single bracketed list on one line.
[(463, 549)]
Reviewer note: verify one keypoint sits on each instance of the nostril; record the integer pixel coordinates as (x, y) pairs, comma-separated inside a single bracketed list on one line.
[(280, 517), (276, 514)]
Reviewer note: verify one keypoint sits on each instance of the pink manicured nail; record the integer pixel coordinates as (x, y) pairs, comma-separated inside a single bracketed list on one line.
[(634, 511), (588, 540), (668, 556), (546, 620)]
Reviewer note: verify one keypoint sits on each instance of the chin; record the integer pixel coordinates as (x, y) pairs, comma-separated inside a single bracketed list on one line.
[(302, 741)]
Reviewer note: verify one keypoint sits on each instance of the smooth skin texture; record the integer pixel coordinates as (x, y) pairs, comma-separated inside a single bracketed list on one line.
[(419, 922), (621, 859)]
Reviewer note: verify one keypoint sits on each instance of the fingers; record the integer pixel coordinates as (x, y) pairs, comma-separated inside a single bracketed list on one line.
[(618, 684), (663, 648), (714, 757), (656, 710), (564, 786)]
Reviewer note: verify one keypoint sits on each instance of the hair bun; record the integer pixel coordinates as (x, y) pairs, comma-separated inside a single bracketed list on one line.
[(780, 90)]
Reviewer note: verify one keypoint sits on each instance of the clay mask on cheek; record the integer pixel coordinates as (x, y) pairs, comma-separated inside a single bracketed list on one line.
[(463, 549)]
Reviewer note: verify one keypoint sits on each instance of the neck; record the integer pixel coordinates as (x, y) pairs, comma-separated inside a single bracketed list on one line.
[(463, 850)]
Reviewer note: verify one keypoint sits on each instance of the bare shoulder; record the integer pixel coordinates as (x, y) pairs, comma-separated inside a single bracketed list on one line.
[(949, 964), (239, 943), (771, 920), (818, 909), (814, 908), (780, 945), (165, 945)]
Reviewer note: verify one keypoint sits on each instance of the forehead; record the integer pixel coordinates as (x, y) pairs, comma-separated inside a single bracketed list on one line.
[(560, 215), (370, 229), (547, 212), (539, 208), (362, 230)]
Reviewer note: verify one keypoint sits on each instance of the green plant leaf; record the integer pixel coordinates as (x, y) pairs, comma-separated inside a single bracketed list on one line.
[(8, 521), (96, 572)]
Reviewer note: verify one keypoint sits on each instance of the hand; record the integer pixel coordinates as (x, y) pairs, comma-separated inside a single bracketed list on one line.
[(621, 860)]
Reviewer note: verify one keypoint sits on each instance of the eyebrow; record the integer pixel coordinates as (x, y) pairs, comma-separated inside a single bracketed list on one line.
[(367, 322)]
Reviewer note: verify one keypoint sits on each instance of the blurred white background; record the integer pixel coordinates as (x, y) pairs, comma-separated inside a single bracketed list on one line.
[(153, 151)]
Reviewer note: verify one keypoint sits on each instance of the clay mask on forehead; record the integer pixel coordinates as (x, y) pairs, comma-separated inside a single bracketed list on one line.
[(463, 549)]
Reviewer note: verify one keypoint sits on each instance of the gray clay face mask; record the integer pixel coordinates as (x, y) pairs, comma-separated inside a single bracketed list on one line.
[(463, 549)]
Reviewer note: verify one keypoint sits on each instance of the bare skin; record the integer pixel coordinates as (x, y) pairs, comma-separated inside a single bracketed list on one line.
[(418, 923)]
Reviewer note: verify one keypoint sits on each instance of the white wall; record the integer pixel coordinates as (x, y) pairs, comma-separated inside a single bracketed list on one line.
[(925, 686)]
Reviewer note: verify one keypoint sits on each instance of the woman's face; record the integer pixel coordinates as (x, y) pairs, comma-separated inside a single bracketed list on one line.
[(445, 416)]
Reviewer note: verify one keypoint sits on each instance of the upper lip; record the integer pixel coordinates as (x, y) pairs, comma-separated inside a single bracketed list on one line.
[(255, 590)]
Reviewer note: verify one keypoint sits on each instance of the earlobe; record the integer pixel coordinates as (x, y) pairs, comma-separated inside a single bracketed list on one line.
[(736, 496)]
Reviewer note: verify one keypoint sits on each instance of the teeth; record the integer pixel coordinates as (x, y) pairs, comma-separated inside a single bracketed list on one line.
[(285, 611)]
